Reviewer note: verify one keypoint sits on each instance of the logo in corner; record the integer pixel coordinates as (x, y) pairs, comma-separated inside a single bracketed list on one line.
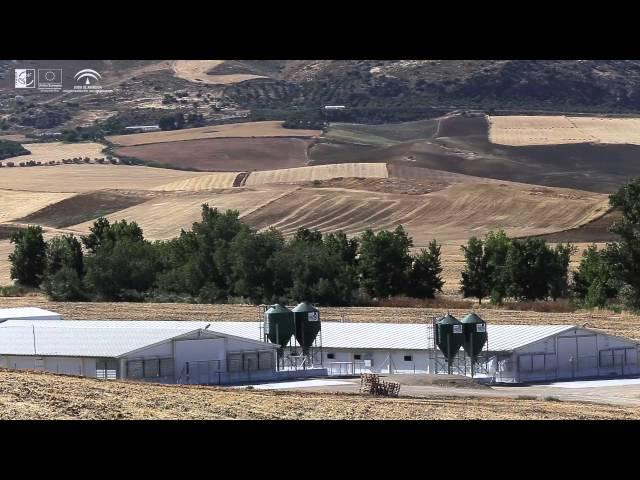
[(25, 78), (89, 76)]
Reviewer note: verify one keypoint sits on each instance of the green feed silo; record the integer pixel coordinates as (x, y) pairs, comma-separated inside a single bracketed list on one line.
[(307, 320), (475, 336), (449, 337), (279, 325)]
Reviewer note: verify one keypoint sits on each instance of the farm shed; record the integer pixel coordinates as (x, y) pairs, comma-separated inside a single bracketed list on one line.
[(27, 313), (162, 353), (514, 353)]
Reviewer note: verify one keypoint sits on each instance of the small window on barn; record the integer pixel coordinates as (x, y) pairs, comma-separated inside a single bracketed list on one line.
[(331, 356), (151, 368), (408, 358), (357, 356), (166, 367)]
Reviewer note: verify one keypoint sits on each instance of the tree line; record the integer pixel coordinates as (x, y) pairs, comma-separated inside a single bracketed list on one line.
[(222, 259)]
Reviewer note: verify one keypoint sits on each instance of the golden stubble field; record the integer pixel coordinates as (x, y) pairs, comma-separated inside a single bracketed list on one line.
[(40, 396), (85, 178), (559, 129), (45, 152)]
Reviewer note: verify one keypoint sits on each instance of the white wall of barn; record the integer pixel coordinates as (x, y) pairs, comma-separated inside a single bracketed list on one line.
[(402, 361), (82, 366), (206, 356), (577, 353)]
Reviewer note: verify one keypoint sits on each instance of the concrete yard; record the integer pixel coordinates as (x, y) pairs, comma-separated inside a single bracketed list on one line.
[(620, 392)]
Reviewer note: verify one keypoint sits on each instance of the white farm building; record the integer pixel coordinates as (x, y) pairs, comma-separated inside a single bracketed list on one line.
[(233, 352), (27, 313)]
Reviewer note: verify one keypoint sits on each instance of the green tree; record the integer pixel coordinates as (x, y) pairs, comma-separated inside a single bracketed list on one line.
[(527, 265), (593, 282), (64, 251), (425, 275), (476, 280), (28, 259), (496, 248), (250, 275), (624, 255), (558, 275), (384, 261), (65, 285)]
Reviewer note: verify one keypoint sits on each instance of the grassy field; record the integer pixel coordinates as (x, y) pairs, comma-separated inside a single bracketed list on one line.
[(232, 130), (382, 135), (39, 396)]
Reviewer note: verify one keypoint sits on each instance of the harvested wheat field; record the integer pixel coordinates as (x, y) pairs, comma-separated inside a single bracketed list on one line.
[(551, 130), (86, 206), (449, 215), (163, 217), (45, 152), (204, 182), (39, 396), (198, 71), (85, 178), (231, 130), (224, 154), (5, 267), (610, 130), (16, 204), (318, 172)]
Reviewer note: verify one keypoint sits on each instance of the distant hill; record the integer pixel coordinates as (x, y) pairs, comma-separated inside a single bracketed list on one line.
[(557, 84)]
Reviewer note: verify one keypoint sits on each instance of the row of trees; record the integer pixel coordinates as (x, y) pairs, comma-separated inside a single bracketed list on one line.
[(499, 267), (220, 259)]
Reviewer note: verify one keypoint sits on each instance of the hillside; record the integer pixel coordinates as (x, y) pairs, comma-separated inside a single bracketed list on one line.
[(376, 91)]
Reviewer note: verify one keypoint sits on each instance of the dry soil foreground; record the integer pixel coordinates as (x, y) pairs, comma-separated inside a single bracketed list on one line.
[(34, 395)]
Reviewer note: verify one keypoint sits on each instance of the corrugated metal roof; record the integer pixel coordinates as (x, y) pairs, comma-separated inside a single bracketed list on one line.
[(402, 336), (32, 313), (81, 341)]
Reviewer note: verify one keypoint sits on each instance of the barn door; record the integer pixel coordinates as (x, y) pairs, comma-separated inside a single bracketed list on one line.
[(587, 359), (567, 357)]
